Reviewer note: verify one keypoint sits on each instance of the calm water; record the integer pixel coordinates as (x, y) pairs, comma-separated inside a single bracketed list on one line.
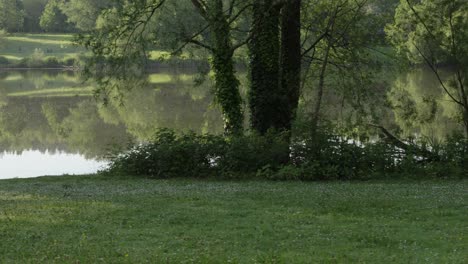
[(50, 123)]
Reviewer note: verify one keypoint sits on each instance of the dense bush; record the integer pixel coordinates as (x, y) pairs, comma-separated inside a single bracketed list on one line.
[(191, 155), (70, 62), (38, 60), (327, 157), (168, 155), (4, 61)]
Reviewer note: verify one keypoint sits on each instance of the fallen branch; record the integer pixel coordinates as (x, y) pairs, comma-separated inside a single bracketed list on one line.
[(408, 148)]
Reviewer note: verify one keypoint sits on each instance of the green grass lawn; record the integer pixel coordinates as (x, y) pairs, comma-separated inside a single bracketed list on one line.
[(19, 46), (94, 219)]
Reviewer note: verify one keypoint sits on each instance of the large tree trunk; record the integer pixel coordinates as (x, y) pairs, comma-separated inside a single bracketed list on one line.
[(290, 64), (226, 83), (264, 49)]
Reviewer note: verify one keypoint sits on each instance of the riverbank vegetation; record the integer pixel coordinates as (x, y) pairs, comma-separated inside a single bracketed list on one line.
[(327, 156), (293, 49), (39, 51), (129, 220), (313, 141), (297, 56)]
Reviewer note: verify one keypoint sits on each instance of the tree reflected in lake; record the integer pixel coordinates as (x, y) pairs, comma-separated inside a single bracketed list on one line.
[(422, 108), (55, 111), (58, 113)]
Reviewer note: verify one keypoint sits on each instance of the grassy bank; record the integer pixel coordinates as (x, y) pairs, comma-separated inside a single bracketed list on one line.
[(99, 219), (52, 51), (21, 46)]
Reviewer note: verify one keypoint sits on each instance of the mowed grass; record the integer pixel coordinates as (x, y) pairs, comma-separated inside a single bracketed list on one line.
[(92, 219), (19, 46), (55, 92)]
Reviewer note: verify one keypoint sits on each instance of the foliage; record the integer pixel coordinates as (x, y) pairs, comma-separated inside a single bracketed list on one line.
[(326, 156), (33, 10), (39, 59), (4, 61), (3, 35), (83, 14), (434, 33), (340, 62), (53, 19), (170, 155), (126, 34), (11, 15)]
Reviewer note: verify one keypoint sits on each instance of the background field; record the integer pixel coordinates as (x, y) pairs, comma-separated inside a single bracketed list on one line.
[(19, 46), (96, 218)]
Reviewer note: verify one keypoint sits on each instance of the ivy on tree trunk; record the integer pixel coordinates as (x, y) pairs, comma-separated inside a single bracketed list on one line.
[(275, 64), (290, 62), (226, 83), (264, 66)]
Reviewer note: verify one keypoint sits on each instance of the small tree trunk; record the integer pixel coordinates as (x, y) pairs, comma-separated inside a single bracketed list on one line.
[(464, 100), (318, 104), (465, 114)]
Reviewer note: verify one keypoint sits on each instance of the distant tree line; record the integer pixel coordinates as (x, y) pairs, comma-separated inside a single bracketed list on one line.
[(72, 16), (56, 16)]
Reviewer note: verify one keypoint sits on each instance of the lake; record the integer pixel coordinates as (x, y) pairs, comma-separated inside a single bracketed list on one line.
[(51, 124)]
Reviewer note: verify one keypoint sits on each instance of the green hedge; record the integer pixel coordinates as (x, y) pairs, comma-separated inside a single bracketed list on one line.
[(327, 157)]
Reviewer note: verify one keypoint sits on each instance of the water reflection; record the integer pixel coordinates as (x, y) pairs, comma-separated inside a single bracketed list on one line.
[(422, 108), (55, 115), (51, 124), (35, 163)]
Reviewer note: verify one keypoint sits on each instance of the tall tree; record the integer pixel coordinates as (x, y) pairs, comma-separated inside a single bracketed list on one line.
[(33, 10), (11, 15), (132, 31), (84, 13), (339, 48), (221, 47), (275, 64), (264, 49), (53, 19), (290, 64)]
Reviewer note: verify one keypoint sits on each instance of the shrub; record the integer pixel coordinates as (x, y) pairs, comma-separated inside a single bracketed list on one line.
[(170, 155), (4, 61), (325, 157), (70, 62), (246, 155), (190, 155), (51, 62)]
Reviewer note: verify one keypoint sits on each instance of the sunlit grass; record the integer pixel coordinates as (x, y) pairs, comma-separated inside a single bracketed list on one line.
[(157, 55), (168, 78), (10, 57), (38, 39), (64, 91), (114, 220), (19, 46)]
